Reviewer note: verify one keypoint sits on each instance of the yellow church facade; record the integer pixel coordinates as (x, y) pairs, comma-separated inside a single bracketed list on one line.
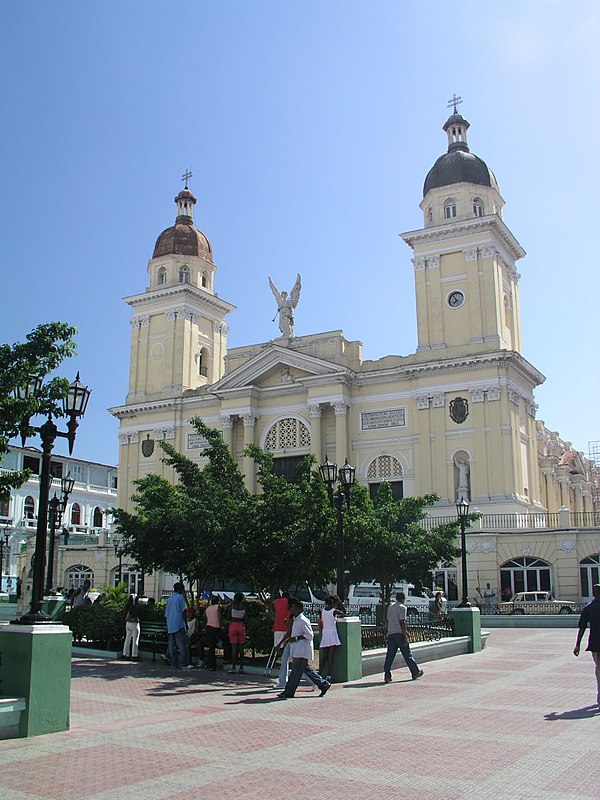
[(457, 417)]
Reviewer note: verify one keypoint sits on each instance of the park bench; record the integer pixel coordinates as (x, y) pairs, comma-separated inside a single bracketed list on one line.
[(155, 634)]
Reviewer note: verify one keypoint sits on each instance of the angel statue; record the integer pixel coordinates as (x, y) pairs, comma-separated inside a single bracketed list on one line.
[(285, 307)]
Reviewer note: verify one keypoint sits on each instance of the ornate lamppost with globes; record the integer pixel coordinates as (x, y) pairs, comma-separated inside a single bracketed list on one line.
[(346, 474), (462, 509), (56, 510), (119, 554), (74, 406)]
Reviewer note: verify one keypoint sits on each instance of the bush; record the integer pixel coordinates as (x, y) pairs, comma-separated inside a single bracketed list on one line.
[(260, 631), (103, 623)]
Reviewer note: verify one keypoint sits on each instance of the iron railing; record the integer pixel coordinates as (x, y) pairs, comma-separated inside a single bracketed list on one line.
[(421, 628)]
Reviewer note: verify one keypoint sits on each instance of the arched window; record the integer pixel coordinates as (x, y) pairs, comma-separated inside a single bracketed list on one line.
[(589, 572), (98, 517), (288, 434), (204, 280), (203, 362), (132, 578), (77, 574), (184, 274), (389, 469), (525, 575), (429, 215), (29, 507), (478, 207), (449, 208), (161, 276), (75, 514)]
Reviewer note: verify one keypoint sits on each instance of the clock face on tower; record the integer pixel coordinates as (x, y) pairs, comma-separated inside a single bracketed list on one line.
[(456, 299)]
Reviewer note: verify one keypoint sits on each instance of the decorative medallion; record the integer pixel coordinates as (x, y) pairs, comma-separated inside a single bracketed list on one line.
[(487, 546), (147, 446), (459, 410), (567, 545)]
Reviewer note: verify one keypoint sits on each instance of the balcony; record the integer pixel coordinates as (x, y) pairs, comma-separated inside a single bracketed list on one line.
[(536, 520)]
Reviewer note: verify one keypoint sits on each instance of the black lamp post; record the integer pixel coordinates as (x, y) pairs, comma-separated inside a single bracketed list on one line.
[(3, 546), (119, 555), (462, 509), (74, 406), (56, 510), (346, 474)]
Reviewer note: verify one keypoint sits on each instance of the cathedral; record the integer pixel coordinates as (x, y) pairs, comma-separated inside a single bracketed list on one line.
[(457, 417)]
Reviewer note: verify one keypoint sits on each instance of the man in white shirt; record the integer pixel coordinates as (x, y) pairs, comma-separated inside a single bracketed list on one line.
[(398, 640), (302, 652)]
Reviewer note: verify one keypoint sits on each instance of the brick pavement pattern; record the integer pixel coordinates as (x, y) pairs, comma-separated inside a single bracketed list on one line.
[(514, 722)]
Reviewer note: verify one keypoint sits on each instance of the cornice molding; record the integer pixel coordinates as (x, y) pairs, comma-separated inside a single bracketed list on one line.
[(440, 233), (185, 292)]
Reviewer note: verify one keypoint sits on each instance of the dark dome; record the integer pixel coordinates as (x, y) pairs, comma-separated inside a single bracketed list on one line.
[(459, 166), (182, 239)]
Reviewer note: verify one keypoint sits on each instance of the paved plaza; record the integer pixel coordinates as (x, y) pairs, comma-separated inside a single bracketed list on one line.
[(516, 721)]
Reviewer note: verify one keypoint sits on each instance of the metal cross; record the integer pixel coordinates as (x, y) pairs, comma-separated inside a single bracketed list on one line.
[(186, 176), (455, 101)]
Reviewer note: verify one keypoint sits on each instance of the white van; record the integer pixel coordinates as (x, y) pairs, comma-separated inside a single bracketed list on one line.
[(367, 595)]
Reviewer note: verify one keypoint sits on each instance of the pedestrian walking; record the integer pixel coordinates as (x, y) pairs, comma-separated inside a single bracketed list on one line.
[(397, 639), (302, 652), (282, 630), (591, 616), (132, 629), (176, 626)]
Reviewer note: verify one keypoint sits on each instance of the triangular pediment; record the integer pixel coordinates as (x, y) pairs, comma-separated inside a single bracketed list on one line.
[(277, 366)]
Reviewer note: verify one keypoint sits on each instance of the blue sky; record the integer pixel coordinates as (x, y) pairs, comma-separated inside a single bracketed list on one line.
[(309, 127)]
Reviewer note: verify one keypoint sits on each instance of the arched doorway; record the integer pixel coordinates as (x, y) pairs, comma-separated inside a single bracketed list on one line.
[(445, 577), (525, 574), (77, 574)]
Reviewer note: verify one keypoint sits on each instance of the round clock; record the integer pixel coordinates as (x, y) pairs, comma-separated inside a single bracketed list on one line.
[(456, 299)]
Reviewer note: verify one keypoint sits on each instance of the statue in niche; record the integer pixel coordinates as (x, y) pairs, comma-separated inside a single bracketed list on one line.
[(285, 307), (462, 492)]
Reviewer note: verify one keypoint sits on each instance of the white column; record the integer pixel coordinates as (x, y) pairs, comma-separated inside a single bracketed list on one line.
[(316, 447), (341, 431)]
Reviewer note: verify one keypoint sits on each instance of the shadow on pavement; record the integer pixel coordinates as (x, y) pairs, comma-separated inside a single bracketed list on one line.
[(576, 713)]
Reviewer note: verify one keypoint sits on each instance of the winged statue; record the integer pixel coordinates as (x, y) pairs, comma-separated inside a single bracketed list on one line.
[(286, 303)]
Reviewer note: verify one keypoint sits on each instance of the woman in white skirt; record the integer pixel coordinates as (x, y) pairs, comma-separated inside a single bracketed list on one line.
[(132, 629), (330, 640)]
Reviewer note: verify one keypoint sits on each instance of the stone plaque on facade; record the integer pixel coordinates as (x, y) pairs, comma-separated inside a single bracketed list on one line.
[(394, 418), (196, 442)]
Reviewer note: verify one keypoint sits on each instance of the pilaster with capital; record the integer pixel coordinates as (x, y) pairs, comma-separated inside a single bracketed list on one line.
[(316, 447), (249, 468), (226, 421), (340, 408)]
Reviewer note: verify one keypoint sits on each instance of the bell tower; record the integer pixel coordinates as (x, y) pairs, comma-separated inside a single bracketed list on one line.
[(466, 280), (179, 333)]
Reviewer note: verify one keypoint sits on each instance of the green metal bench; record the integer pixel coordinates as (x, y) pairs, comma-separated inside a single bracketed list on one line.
[(155, 634)]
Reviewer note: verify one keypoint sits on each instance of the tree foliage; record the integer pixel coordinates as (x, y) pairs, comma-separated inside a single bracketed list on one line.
[(294, 537), (43, 351), (196, 528), (386, 542)]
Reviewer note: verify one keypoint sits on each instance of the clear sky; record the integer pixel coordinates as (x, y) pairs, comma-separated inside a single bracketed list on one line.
[(309, 127)]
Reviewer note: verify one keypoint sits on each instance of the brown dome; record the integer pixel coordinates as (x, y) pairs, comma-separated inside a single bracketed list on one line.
[(182, 239)]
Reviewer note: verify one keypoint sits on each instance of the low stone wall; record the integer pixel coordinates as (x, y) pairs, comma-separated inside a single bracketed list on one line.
[(530, 620), (372, 660)]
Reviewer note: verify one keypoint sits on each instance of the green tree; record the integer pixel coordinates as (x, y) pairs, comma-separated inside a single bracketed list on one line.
[(197, 528), (294, 537), (387, 543), (43, 351)]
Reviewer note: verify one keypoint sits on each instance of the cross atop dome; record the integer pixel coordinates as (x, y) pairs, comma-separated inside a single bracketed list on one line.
[(454, 101), (185, 177)]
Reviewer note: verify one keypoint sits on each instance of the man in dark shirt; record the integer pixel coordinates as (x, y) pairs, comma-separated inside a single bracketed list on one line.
[(591, 616)]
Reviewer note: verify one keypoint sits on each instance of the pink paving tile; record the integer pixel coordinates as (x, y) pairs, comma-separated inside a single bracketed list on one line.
[(137, 721), (485, 721), (279, 785), (420, 755), (581, 779), (79, 773), (248, 735)]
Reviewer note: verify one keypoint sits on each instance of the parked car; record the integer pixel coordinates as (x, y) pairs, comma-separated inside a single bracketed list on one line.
[(368, 595), (537, 603)]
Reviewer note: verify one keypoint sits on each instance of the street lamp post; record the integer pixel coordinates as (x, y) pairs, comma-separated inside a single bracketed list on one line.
[(74, 406), (346, 474), (119, 555), (462, 509), (3, 546), (56, 510)]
